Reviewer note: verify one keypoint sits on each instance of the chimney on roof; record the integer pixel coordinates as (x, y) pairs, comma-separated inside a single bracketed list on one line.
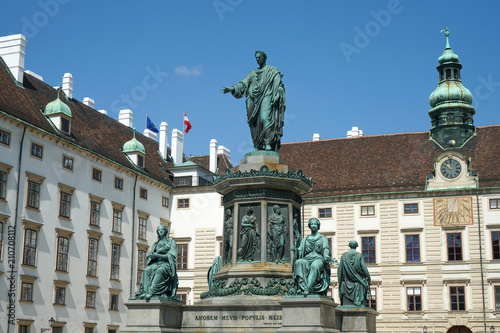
[(224, 151), (150, 134), (163, 139), (354, 132), (67, 85), (177, 146), (89, 102), (12, 50), (212, 165), (316, 137), (103, 112), (126, 117), (39, 77)]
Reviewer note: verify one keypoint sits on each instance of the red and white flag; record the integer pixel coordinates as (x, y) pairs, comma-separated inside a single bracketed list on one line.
[(187, 123)]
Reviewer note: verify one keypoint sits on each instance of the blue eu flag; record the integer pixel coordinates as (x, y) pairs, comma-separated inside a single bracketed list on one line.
[(150, 125)]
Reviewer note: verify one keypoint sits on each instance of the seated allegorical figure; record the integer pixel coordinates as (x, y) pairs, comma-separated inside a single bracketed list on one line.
[(311, 270), (159, 279)]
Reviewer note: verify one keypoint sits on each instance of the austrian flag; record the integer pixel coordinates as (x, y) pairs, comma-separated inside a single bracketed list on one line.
[(187, 123)]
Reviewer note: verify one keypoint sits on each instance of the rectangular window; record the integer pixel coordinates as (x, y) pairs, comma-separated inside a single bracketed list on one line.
[(92, 257), (29, 251), (65, 125), (457, 298), (368, 249), (96, 174), (62, 254), (182, 203), (117, 220), (33, 194), (24, 329), (142, 227), (115, 262), (412, 243), (182, 254), (140, 161), (454, 243), (411, 208), (36, 150), (4, 137), (324, 212), (95, 213), (164, 202), (143, 193), (141, 264), (1, 239), (495, 244), (182, 298), (27, 291), (414, 298), (90, 303), (60, 295), (65, 204), (67, 162), (497, 298), (3, 184), (89, 330), (113, 302), (367, 210), (57, 330), (494, 203), (371, 302), (119, 183)]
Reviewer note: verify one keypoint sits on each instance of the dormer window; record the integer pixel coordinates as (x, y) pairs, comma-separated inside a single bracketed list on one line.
[(59, 114), (140, 161), (135, 151)]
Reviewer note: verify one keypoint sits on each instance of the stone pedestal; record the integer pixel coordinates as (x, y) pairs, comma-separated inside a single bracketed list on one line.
[(308, 314), (233, 314), (154, 316), (356, 320)]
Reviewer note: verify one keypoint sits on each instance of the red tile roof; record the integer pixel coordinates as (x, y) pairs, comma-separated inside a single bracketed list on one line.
[(90, 129), (204, 160), (386, 163)]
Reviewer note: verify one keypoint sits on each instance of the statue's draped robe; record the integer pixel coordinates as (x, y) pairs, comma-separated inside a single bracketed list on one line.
[(249, 240), (311, 271), (354, 279), (228, 239), (265, 102), (276, 235), (160, 275)]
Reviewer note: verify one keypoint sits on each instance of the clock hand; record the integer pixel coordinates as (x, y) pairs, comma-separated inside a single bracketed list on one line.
[(449, 167)]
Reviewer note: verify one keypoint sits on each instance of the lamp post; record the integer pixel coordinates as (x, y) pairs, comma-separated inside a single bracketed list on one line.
[(424, 329), (492, 329), (51, 324)]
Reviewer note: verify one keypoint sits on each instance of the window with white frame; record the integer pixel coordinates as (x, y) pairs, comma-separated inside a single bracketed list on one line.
[(36, 150), (368, 210), (4, 137), (29, 248)]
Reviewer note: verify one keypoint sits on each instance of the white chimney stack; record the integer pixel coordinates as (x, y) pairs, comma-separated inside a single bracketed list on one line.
[(212, 164), (224, 151), (163, 139), (89, 102), (103, 112), (12, 50), (354, 132), (67, 85), (316, 137), (177, 146), (150, 134), (126, 117), (39, 77)]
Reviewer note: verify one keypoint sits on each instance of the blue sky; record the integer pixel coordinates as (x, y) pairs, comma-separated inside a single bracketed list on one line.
[(346, 63)]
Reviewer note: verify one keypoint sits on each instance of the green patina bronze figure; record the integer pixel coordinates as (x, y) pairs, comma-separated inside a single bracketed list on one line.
[(265, 102), (228, 237), (354, 278), (249, 236), (311, 271), (159, 279), (276, 232)]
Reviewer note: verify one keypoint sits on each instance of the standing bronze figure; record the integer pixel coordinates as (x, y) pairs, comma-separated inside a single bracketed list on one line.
[(265, 102), (354, 278)]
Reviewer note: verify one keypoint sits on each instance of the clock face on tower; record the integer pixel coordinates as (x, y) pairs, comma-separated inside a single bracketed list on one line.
[(451, 168)]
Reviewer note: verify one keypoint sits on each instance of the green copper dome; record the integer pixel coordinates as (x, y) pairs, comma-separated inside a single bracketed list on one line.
[(56, 107), (450, 92), (133, 146)]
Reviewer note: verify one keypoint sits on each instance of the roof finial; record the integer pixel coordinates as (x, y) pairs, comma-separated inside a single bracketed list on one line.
[(447, 34)]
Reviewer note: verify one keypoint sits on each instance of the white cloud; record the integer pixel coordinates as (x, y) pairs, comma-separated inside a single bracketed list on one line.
[(183, 70)]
